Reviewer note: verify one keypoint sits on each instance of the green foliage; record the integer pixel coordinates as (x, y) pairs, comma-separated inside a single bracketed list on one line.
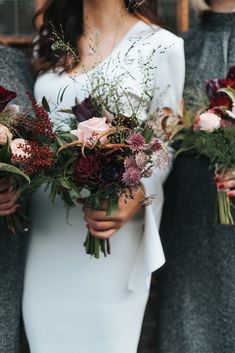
[(11, 169), (218, 146)]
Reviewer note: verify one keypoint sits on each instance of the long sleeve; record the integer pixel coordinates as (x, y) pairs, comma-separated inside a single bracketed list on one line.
[(168, 90)]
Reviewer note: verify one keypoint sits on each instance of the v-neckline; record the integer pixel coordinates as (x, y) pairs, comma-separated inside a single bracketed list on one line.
[(117, 47)]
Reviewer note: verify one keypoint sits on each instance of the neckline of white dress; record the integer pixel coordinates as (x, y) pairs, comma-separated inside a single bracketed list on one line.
[(118, 46)]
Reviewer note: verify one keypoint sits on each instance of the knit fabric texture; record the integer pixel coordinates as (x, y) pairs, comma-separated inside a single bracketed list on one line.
[(196, 287), (14, 75)]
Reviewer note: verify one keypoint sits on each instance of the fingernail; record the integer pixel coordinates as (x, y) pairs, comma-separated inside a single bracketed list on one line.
[(221, 186)]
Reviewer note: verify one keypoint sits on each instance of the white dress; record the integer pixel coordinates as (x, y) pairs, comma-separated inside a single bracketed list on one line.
[(73, 303)]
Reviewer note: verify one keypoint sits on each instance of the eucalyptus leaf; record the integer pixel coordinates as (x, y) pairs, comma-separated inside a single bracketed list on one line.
[(13, 170)]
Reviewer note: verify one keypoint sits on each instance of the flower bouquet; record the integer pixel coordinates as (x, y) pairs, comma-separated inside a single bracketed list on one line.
[(210, 133), (106, 158), (25, 153)]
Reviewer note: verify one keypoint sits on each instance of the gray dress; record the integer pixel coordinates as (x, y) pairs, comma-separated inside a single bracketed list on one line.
[(14, 75), (196, 287)]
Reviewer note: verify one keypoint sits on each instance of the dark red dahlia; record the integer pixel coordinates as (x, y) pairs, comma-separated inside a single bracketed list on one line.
[(221, 100), (5, 97)]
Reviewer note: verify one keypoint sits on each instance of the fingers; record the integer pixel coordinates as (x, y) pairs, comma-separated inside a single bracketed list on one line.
[(102, 234), (8, 202), (11, 210), (230, 184), (102, 229), (102, 225), (231, 193), (5, 184), (101, 215), (226, 182)]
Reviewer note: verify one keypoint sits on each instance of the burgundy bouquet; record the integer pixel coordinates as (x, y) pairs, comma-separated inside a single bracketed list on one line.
[(106, 159), (212, 133), (25, 153)]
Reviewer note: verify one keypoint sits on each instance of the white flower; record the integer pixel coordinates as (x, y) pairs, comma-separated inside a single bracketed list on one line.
[(5, 134), (208, 122), (17, 148)]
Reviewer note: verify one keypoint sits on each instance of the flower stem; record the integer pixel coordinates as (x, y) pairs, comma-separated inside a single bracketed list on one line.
[(94, 245), (225, 216)]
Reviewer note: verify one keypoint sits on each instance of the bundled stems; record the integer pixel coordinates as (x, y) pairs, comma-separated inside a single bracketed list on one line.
[(224, 208), (94, 245)]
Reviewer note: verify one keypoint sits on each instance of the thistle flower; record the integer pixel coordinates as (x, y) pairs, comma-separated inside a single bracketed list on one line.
[(136, 142), (131, 177), (141, 160)]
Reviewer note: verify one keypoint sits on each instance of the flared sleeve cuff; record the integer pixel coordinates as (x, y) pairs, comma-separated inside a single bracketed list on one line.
[(150, 255)]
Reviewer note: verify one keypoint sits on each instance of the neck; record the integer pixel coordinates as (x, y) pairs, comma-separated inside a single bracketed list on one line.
[(223, 6), (103, 15)]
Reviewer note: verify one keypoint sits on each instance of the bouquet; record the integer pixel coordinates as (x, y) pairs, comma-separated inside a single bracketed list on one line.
[(25, 151), (211, 132), (107, 156), (109, 149)]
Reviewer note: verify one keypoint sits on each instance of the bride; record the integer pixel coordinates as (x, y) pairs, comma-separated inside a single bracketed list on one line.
[(74, 303)]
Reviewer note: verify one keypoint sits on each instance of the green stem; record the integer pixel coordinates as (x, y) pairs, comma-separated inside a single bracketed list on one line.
[(93, 245), (225, 216)]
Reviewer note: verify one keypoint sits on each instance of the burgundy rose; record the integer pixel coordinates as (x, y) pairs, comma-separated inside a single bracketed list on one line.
[(212, 86), (221, 100), (87, 168), (5, 97)]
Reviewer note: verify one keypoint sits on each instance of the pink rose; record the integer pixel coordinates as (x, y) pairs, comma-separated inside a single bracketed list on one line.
[(92, 129), (5, 134), (18, 148), (207, 122)]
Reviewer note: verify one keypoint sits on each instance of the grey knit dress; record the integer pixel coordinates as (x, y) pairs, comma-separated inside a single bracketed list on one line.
[(14, 75), (196, 287)]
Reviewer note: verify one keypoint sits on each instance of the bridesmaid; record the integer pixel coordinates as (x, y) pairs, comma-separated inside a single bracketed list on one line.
[(197, 285), (73, 303), (14, 75)]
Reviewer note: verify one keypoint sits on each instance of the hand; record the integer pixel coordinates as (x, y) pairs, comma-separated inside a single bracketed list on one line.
[(226, 181), (8, 197), (102, 226)]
